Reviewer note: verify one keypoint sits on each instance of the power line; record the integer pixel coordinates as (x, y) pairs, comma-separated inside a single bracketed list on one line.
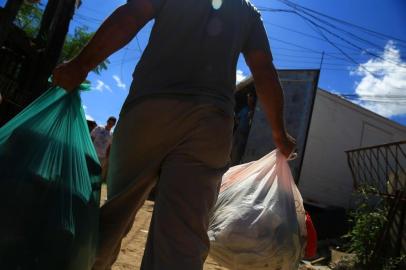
[(297, 8), (312, 60), (305, 34), (305, 48), (138, 44), (90, 9), (294, 56), (86, 17), (316, 63), (309, 67), (318, 27), (83, 23), (282, 55), (306, 19), (336, 28), (364, 29), (344, 53), (294, 45)]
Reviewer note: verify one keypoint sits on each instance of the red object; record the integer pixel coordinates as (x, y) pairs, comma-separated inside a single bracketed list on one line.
[(311, 246)]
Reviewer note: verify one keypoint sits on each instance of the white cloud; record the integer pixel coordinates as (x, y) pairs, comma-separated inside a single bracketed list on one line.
[(119, 82), (380, 92), (87, 115), (240, 76), (101, 86)]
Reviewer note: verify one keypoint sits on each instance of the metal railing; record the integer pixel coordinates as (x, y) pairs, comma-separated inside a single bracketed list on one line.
[(381, 167), (381, 171)]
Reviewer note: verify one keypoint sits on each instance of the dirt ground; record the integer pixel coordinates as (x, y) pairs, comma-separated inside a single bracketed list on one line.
[(132, 248)]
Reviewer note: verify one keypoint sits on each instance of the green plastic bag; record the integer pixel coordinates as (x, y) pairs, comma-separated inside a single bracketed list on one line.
[(49, 186)]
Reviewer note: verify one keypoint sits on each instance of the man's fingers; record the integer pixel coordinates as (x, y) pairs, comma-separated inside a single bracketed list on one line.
[(54, 78), (288, 149), (293, 154), (68, 76)]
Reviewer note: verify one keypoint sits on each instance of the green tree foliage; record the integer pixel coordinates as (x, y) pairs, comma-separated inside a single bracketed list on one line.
[(29, 20), (368, 219), (74, 43)]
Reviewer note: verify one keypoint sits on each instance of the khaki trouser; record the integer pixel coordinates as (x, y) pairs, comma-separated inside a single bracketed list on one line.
[(104, 163), (183, 147)]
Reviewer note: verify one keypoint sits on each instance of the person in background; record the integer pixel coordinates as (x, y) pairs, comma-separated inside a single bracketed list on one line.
[(91, 125), (243, 121), (102, 137)]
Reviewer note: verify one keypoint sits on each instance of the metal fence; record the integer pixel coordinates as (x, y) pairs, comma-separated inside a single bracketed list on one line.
[(382, 167), (381, 171)]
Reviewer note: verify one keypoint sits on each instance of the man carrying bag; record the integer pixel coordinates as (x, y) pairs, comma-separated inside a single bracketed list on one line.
[(175, 127)]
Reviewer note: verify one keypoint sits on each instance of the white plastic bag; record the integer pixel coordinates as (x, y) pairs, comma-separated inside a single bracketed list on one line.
[(259, 220)]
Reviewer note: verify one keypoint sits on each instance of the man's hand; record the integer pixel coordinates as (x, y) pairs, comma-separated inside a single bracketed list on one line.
[(285, 143), (69, 75)]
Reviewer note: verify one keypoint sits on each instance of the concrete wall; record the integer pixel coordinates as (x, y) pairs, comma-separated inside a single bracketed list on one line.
[(338, 125)]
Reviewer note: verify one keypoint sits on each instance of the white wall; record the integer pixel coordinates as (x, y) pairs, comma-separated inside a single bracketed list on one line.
[(336, 126)]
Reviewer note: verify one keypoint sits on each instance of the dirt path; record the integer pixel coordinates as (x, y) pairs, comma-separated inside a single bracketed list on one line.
[(132, 248)]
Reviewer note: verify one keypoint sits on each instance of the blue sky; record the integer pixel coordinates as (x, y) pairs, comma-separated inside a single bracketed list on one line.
[(295, 44)]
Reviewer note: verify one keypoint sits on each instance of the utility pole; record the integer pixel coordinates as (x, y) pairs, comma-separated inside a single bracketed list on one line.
[(322, 59)]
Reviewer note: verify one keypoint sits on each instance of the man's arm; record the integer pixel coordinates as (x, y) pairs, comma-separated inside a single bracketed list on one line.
[(118, 29), (270, 94)]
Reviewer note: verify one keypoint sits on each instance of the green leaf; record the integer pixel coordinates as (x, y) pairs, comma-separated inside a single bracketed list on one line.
[(29, 20)]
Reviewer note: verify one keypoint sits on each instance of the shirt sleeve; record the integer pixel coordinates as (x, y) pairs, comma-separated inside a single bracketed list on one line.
[(157, 4), (257, 38)]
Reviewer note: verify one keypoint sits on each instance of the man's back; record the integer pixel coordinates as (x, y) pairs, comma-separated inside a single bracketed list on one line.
[(101, 139), (194, 48)]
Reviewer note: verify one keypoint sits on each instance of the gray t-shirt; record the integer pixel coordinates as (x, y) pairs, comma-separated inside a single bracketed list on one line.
[(194, 48)]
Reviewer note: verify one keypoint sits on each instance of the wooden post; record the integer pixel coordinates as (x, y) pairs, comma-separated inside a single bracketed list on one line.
[(7, 17), (51, 37)]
